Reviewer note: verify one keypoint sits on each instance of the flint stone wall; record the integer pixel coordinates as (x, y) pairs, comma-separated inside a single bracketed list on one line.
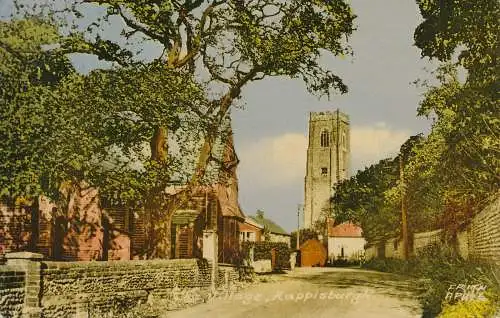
[(12, 286), (70, 288)]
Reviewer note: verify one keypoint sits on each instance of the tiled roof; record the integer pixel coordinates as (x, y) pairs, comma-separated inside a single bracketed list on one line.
[(344, 230), (252, 222), (269, 224)]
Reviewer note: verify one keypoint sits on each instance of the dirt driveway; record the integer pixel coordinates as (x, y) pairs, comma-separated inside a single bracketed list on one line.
[(317, 292)]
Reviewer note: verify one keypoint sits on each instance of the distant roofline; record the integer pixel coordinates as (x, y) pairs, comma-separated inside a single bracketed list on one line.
[(279, 228), (251, 221)]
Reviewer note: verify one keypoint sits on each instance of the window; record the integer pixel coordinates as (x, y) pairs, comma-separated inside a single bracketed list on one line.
[(325, 139), (324, 171)]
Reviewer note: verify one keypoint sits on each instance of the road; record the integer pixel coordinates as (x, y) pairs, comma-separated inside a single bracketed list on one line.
[(317, 292)]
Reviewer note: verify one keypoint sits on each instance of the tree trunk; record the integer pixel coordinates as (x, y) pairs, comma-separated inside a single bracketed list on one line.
[(159, 145), (162, 233)]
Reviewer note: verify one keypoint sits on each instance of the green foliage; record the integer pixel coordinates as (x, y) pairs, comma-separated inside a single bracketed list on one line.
[(458, 167), (110, 115), (304, 235), (362, 200), (262, 251), (471, 27), (97, 128), (28, 74), (466, 309), (436, 269), (234, 42), (230, 43)]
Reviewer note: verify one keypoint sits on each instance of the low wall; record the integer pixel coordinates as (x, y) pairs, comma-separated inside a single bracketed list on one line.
[(422, 240), (92, 289), (99, 286), (229, 274), (12, 286)]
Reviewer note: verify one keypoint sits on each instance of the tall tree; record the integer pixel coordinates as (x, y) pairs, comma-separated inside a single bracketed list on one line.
[(226, 44), (459, 163), (59, 126), (26, 66), (361, 199)]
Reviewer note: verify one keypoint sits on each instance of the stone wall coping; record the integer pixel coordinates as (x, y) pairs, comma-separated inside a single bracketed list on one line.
[(128, 263), (9, 268), (426, 234), (24, 255), (226, 265)]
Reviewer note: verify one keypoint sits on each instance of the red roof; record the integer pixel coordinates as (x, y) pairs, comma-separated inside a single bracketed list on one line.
[(344, 230)]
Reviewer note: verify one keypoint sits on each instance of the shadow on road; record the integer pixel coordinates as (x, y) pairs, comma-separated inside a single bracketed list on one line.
[(383, 283)]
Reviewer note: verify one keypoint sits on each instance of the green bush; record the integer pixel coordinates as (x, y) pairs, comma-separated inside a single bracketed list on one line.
[(466, 309), (438, 268), (262, 251)]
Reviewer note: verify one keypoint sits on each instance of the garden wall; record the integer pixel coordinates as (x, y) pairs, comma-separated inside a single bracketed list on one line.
[(101, 286), (480, 241), (91, 289), (12, 285), (483, 235)]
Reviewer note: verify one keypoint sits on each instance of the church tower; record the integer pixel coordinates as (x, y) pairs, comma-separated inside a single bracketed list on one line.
[(328, 156)]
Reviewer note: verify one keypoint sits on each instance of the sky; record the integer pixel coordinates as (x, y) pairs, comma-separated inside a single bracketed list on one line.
[(270, 131)]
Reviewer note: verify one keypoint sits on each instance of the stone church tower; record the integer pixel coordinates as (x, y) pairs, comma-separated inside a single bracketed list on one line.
[(328, 156)]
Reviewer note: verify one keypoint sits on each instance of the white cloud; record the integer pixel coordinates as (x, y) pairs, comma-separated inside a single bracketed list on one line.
[(273, 161), (369, 144), (281, 160)]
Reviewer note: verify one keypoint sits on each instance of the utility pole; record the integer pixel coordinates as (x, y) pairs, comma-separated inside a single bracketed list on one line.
[(404, 211), (298, 225)]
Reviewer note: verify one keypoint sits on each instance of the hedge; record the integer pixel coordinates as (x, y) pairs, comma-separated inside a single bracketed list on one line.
[(262, 251)]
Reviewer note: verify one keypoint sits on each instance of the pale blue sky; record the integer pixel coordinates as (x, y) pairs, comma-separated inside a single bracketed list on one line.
[(270, 133)]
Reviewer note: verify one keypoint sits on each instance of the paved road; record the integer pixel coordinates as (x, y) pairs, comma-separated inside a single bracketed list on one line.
[(317, 292)]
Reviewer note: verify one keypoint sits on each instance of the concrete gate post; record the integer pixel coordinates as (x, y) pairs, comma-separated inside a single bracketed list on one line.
[(211, 254), (30, 263)]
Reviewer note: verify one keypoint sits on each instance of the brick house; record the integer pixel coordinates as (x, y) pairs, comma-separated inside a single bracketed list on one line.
[(88, 229), (251, 231)]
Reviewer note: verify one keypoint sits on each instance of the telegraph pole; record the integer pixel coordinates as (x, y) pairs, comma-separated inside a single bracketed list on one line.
[(404, 211), (298, 226)]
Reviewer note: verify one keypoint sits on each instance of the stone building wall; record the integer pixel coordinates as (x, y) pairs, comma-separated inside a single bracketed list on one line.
[(394, 248), (15, 227), (12, 285), (325, 153)]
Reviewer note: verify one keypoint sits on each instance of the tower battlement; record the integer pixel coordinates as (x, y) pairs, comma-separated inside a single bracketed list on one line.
[(328, 115)]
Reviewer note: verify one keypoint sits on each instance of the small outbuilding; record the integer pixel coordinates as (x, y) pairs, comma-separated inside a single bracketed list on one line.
[(313, 254), (345, 241)]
